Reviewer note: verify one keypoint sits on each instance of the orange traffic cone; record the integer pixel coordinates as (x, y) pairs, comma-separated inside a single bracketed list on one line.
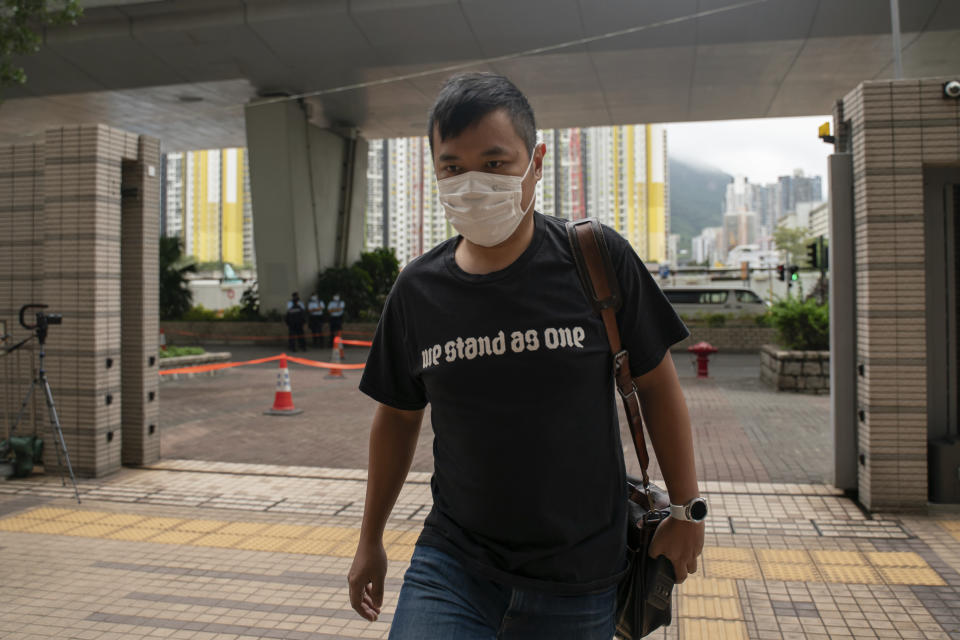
[(163, 340), (283, 400), (336, 357)]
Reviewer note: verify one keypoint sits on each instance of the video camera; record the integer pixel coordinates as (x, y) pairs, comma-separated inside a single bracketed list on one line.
[(43, 320)]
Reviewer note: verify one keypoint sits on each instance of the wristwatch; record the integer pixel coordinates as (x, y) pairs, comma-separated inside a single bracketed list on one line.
[(693, 511)]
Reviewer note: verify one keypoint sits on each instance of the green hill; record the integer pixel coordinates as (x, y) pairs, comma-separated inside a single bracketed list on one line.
[(696, 199)]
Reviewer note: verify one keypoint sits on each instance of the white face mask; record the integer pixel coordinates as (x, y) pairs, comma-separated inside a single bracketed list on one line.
[(484, 207)]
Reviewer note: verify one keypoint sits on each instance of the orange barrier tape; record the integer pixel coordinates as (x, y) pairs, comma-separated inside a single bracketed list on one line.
[(357, 343), (203, 368), (324, 365)]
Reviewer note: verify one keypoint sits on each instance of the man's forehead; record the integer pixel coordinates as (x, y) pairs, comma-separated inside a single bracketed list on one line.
[(493, 133)]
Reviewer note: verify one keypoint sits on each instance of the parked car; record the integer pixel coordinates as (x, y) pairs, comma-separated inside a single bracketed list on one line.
[(691, 301)]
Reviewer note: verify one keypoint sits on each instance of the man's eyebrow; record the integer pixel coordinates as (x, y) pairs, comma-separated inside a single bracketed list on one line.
[(495, 150), (447, 157)]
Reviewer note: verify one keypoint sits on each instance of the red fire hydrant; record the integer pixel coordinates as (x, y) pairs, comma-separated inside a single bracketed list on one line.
[(702, 351)]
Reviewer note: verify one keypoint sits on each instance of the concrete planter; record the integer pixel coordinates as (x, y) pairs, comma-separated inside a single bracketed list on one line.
[(226, 332), (732, 339), (800, 371)]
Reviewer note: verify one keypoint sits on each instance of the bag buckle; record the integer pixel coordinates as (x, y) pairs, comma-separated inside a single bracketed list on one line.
[(617, 364)]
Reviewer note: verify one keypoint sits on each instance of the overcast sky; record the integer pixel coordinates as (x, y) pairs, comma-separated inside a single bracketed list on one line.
[(761, 149)]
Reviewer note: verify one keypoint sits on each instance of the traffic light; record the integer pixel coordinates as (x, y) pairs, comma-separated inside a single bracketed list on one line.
[(780, 270), (794, 276), (813, 254)]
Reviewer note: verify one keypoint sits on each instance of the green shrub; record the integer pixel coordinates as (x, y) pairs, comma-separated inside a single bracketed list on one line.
[(763, 319), (715, 320), (200, 313), (176, 352), (802, 325)]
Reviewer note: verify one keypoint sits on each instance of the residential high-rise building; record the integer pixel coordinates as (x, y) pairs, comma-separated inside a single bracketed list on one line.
[(207, 204), (617, 174), (798, 188)]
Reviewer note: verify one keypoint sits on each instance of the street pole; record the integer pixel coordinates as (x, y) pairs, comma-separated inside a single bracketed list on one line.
[(895, 32)]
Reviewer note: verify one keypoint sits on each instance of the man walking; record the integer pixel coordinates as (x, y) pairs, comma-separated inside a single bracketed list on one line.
[(295, 318), (526, 537)]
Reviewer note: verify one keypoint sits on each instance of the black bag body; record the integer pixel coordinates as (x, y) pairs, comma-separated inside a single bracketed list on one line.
[(644, 593)]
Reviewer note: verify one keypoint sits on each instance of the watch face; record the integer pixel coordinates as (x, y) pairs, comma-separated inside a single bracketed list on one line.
[(698, 510)]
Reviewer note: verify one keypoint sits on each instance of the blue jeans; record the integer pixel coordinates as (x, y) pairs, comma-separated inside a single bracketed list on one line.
[(440, 599)]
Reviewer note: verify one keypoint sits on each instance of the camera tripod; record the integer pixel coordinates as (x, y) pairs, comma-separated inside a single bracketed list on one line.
[(40, 380)]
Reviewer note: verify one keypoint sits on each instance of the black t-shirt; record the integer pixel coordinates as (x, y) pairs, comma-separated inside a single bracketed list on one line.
[(529, 482)]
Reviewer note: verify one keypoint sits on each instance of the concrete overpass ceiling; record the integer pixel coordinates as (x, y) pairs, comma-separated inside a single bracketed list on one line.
[(143, 65)]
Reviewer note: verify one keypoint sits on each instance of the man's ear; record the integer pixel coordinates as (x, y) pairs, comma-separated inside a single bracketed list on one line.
[(539, 151)]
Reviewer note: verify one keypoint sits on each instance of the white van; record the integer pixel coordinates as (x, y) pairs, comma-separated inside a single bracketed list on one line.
[(691, 301)]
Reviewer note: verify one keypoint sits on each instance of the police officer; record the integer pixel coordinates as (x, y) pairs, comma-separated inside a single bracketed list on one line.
[(316, 307), (295, 319), (335, 309)]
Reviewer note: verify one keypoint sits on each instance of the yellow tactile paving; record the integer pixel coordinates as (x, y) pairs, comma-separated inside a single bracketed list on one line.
[(201, 526), (896, 559), (951, 525), (699, 586), (121, 519), (174, 537), (850, 574), (133, 534), (161, 523), (790, 572), (225, 540), (696, 629), (911, 575), (712, 608), (243, 528), (713, 586), (93, 530), (846, 558), (731, 554), (732, 570), (49, 526)]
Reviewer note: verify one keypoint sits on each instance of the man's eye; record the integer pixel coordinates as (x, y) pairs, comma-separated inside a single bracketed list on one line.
[(452, 168), (494, 164)]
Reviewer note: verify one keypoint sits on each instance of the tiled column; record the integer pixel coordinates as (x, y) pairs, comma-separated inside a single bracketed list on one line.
[(21, 274), (82, 281), (139, 296), (896, 127)]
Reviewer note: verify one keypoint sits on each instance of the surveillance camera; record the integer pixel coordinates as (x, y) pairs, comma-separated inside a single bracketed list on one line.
[(951, 89)]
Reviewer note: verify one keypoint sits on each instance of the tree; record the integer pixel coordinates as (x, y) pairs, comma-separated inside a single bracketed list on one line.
[(175, 297), (354, 286), (794, 242), (383, 268), (21, 25)]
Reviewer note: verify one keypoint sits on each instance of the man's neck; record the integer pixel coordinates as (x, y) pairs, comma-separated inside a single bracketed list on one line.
[(478, 260)]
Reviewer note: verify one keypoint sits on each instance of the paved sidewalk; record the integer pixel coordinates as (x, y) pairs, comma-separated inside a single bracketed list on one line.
[(743, 430), (247, 527), (204, 550)]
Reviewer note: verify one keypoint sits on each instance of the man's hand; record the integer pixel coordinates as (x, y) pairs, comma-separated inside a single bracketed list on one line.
[(681, 542), (366, 578)]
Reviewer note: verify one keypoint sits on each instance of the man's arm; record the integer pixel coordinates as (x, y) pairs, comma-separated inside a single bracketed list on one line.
[(393, 440), (668, 423)]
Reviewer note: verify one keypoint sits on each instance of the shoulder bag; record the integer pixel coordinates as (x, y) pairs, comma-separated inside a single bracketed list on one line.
[(644, 593)]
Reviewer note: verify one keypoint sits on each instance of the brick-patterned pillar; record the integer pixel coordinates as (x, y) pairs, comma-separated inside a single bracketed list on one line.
[(896, 128), (139, 303), (81, 270), (21, 275)]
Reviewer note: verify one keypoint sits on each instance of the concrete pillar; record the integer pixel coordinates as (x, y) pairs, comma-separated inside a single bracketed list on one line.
[(74, 203), (309, 194), (139, 297)]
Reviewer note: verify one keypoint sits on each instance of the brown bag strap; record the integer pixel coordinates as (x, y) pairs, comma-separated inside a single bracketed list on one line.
[(600, 283)]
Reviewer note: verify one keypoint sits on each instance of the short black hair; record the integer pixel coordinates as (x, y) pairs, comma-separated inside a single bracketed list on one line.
[(466, 97)]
